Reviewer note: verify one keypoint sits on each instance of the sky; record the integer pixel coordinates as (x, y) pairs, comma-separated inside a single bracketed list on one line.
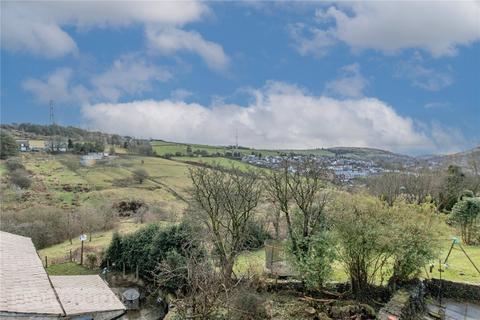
[(402, 76)]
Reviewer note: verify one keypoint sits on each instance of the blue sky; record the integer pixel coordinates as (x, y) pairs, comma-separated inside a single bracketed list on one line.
[(403, 76)]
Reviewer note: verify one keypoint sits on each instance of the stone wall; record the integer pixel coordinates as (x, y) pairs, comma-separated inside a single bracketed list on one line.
[(454, 290), (405, 304)]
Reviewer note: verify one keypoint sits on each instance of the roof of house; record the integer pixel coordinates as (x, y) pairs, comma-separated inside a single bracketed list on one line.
[(24, 284), (85, 294)]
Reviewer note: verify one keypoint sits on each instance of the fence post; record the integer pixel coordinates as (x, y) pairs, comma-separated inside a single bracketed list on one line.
[(70, 255), (46, 262), (81, 255), (123, 269), (136, 273)]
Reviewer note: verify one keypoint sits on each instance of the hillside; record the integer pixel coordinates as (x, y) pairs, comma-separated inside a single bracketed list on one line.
[(469, 159), (181, 151)]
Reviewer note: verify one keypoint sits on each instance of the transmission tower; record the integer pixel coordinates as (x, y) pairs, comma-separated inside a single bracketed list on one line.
[(52, 115)]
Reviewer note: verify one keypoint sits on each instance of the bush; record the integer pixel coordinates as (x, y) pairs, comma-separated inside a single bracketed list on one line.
[(20, 177), (255, 235), (314, 264), (8, 145), (150, 246), (247, 306), (13, 164), (140, 175), (361, 226), (465, 214), (45, 225), (91, 259), (414, 241)]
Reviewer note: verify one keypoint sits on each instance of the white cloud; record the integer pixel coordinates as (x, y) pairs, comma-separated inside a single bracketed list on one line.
[(310, 40), (390, 26), (57, 86), (170, 40), (423, 77), (350, 83), (37, 26), (280, 116), (180, 94), (437, 105), (447, 139), (128, 75)]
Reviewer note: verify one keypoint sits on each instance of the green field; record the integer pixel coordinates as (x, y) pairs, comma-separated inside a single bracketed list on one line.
[(164, 147), (69, 268), (55, 179), (218, 161)]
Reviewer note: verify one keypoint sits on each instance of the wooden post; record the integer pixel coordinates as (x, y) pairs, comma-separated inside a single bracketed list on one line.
[(123, 269), (70, 255), (81, 255), (46, 262), (136, 273)]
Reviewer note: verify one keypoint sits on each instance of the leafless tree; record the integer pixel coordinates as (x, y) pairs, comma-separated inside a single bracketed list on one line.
[(200, 286), (226, 202), (299, 192)]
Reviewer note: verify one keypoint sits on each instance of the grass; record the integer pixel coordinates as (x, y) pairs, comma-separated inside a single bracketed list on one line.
[(250, 262), (459, 267), (100, 240), (3, 170), (220, 161), (164, 147), (69, 268)]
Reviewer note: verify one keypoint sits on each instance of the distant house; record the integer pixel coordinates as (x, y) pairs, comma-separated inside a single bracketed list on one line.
[(56, 145), (91, 159), (37, 145), (28, 292), (23, 145)]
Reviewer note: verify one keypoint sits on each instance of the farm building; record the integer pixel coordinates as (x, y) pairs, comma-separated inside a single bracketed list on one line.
[(23, 145), (28, 292)]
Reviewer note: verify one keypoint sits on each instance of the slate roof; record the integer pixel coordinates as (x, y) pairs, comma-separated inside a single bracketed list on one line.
[(24, 284), (85, 294), (26, 288)]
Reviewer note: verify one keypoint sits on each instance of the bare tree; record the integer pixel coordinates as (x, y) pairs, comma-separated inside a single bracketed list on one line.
[(200, 289), (226, 201), (299, 191)]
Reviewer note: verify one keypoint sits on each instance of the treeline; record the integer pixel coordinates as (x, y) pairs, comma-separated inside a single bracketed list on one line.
[(443, 187), (70, 132)]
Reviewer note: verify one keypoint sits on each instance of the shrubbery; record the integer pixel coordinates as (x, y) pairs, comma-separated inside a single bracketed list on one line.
[(150, 246), (140, 175), (45, 225), (14, 164), (465, 214), (370, 234), (8, 146), (50, 225), (20, 178), (255, 235)]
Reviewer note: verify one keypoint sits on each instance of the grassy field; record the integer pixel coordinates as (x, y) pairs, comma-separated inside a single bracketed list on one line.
[(99, 241), (69, 268), (459, 268), (164, 147), (220, 161), (55, 179)]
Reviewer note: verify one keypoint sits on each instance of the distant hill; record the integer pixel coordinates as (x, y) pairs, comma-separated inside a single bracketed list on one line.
[(465, 159), (36, 131)]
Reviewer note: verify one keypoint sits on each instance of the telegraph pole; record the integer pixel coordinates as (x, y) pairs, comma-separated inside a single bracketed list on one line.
[(52, 115)]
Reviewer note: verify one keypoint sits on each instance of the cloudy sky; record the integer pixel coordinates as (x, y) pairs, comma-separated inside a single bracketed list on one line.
[(403, 76)]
